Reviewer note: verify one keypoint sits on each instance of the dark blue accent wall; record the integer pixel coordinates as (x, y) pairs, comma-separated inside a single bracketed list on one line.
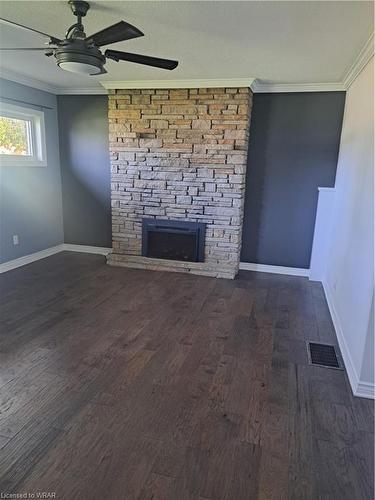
[(293, 149), (85, 169)]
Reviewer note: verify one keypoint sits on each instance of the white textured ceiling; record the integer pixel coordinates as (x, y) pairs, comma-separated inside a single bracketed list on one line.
[(275, 41)]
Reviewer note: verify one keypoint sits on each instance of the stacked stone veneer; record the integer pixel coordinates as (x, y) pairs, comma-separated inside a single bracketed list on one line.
[(179, 154)]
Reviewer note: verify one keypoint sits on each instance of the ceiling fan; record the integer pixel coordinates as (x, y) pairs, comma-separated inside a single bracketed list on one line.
[(81, 54)]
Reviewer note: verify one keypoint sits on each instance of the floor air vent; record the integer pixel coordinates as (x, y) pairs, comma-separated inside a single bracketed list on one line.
[(323, 355)]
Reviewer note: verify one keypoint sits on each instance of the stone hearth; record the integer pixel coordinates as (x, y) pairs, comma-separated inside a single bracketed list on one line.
[(179, 154)]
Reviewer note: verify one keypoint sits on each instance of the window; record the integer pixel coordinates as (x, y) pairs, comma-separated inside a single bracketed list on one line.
[(22, 136)]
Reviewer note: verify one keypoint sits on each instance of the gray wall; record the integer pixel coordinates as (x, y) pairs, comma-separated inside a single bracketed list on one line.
[(30, 197), (293, 149), (85, 168)]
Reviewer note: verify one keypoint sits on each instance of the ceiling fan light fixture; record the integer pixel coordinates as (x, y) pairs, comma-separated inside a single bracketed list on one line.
[(80, 67), (76, 57)]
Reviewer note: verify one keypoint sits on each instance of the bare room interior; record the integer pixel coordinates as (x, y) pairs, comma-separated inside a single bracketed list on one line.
[(187, 250)]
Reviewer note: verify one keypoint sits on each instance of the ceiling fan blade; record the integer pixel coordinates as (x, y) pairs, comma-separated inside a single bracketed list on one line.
[(115, 33), (117, 55), (27, 48), (12, 23)]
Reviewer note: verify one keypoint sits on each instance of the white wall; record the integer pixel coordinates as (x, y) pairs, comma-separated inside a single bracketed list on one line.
[(322, 232), (349, 279)]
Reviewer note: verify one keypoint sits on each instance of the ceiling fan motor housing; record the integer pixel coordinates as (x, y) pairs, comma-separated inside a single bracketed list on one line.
[(76, 54), (79, 8)]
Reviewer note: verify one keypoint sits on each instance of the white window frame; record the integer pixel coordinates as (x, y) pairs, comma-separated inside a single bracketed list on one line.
[(37, 137)]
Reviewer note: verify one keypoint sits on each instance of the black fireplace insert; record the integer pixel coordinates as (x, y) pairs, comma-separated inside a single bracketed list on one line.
[(174, 240)]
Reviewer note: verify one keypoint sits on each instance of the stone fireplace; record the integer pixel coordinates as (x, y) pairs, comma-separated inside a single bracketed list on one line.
[(179, 155)]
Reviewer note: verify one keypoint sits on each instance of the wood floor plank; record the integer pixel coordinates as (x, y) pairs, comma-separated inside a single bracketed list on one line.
[(300, 437), (144, 385), (157, 487), (273, 476)]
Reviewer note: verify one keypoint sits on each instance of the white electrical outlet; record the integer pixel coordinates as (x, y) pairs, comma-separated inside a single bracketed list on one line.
[(16, 239)]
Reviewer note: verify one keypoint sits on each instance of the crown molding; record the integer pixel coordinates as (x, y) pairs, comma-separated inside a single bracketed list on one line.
[(356, 67), (257, 86), (8, 74), (178, 84), (46, 87), (81, 91), (360, 62), (263, 87)]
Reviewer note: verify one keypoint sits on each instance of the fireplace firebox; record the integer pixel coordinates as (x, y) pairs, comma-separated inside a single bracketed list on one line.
[(174, 240)]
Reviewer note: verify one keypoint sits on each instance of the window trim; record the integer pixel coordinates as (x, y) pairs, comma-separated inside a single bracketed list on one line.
[(36, 133)]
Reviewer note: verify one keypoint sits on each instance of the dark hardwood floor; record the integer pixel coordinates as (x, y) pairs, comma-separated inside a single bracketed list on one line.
[(139, 385)]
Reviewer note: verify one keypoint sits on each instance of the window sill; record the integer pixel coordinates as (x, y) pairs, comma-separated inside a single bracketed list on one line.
[(19, 162)]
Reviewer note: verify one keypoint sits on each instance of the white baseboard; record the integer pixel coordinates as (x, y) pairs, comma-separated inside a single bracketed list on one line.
[(86, 249), (265, 268), (359, 388), (28, 259), (365, 390)]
